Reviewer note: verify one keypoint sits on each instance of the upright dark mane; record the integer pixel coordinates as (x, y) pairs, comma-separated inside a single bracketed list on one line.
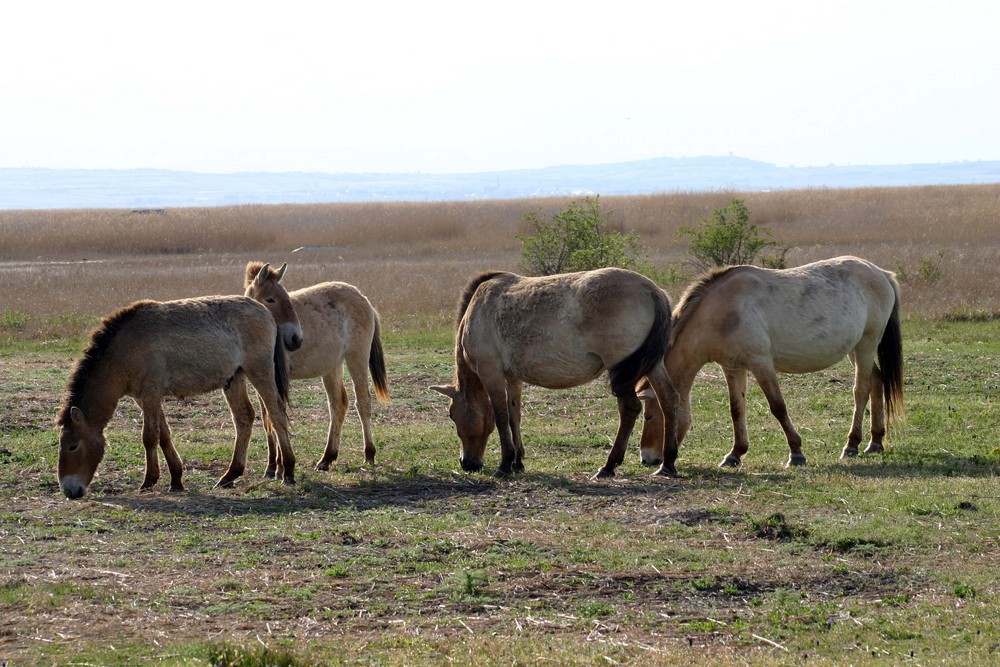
[(253, 268), (470, 289), (100, 339), (688, 303)]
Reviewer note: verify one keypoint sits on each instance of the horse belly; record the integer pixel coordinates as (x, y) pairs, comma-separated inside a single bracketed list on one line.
[(558, 371)]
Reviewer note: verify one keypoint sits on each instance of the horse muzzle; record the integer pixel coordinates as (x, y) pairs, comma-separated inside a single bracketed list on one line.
[(650, 457), (293, 341), (73, 487), (470, 464)]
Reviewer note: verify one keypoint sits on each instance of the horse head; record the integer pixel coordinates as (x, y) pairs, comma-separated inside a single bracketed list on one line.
[(473, 417), (81, 448), (263, 284), (651, 441)]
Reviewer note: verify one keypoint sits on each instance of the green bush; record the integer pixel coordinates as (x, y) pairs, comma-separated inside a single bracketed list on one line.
[(579, 238), (727, 237)]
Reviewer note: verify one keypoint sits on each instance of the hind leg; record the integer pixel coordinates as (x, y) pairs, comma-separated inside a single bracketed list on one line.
[(357, 364), (878, 414), (243, 416), (768, 381), (271, 471), (736, 383), (514, 389), (336, 399), (174, 464), (864, 361), (629, 408)]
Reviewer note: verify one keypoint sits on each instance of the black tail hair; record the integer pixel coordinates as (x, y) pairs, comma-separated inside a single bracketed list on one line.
[(627, 372), (890, 362), (281, 376), (376, 364)]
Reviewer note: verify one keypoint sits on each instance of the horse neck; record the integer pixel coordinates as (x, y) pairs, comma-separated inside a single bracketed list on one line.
[(99, 398), (466, 379), (683, 361)]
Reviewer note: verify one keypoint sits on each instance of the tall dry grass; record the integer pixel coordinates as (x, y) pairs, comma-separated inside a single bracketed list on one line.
[(412, 259)]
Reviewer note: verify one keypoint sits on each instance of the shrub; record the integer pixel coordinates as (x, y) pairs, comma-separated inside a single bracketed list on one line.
[(727, 237), (579, 238)]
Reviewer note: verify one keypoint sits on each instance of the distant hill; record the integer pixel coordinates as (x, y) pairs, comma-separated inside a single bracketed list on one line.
[(151, 188)]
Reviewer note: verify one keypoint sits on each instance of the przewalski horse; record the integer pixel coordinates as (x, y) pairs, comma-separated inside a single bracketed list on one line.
[(798, 320), (557, 332), (339, 325), (149, 350)]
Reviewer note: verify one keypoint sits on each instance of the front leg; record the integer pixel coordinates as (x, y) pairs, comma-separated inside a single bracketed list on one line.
[(152, 417), (736, 382), (514, 388), (629, 408)]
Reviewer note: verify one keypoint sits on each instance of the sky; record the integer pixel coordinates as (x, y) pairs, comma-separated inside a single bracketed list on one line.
[(458, 86)]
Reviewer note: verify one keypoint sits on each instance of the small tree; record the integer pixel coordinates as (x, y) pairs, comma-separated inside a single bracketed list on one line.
[(727, 237), (578, 238)]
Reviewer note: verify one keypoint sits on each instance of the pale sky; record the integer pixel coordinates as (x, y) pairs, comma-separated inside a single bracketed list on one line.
[(459, 86)]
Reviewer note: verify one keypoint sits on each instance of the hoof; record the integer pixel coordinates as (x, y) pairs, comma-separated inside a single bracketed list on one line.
[(796, 460), (323, 466), (849, 453), (666, 471), (730, 462), (604, 473), (269, 474), (503, 474), (874, 448), (225, 483), (288, 480), (370, 460), (176, 488)]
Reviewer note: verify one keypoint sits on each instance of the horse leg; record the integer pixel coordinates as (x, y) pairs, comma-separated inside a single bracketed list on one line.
[(174, 464), (629, 408), (243, 416), (768, 381), (736, 382), (278, 415), (673, 420), (878, 414), (152, 417), (336, 400), (271, 471), (514, 388), (358, 366), (864, 361), (496, 388)]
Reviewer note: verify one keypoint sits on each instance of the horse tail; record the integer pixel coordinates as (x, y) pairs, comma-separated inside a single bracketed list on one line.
[(637, 365), (281, 376), (376, 364), (890, 359)]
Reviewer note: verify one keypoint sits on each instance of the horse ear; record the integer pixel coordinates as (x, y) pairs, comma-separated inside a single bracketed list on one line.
[(261, 275), (76, 415), (647, 393), (280, 273), (446, 389)]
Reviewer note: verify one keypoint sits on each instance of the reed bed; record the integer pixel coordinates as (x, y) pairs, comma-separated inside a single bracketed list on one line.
[(61, 269)]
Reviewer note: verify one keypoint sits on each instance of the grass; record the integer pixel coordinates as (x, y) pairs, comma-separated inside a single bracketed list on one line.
[(413, 562), (887, 559)]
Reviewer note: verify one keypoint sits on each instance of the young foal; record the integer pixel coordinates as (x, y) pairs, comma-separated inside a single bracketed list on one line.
[(338, 325), (798, 320), (150, 350), (557, 332)]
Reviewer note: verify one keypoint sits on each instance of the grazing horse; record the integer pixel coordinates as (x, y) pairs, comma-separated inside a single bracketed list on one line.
[(798, 320), (149, 350), (557, 332), (339, 325)]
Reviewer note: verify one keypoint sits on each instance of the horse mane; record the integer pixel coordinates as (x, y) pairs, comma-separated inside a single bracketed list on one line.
[(689, 301), (253, 268), (470, 290), (100, 340)]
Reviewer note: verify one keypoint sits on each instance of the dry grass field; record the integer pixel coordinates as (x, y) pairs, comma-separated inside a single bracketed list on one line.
[(411, 259), (887, 559)]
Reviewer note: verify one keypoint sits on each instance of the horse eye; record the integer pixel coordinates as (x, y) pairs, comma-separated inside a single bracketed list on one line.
[(75, 446)]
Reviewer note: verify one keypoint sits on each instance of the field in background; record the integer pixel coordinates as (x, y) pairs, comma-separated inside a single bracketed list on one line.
[(412, 259)]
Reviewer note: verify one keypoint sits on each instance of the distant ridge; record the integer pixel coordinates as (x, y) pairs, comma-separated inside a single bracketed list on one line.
[(154, 188)]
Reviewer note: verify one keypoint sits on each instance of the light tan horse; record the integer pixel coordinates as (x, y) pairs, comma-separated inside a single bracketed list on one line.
[(339, 326), (557, 332), (798, 320), (150, 350)]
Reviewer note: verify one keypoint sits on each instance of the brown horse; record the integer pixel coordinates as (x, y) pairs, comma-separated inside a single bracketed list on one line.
[(798, 320), (150, 350), (556, 331), (339, 326)]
